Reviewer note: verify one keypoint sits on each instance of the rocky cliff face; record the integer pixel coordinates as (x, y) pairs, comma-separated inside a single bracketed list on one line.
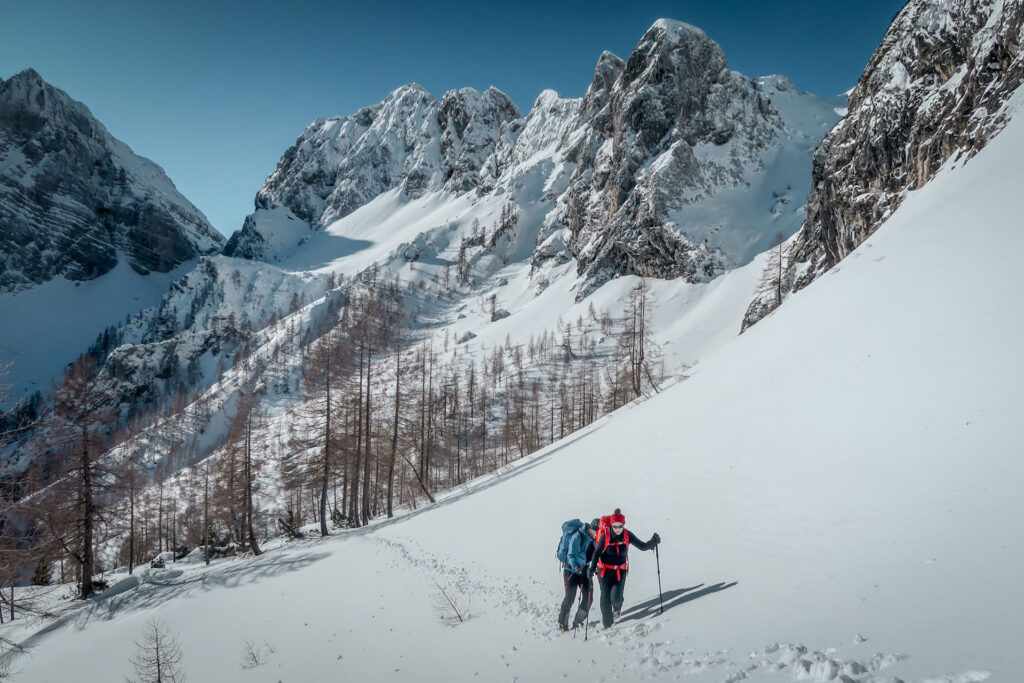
[(74, 200), (670, 126), (221, 306), (933, 91), (410, 141), (633, 176)]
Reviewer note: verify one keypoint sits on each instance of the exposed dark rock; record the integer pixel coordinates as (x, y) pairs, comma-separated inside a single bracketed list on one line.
[(634, 142), (933, 90), (74, 200)]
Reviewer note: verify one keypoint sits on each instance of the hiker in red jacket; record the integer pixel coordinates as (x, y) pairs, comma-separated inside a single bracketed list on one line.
[(611, 563)]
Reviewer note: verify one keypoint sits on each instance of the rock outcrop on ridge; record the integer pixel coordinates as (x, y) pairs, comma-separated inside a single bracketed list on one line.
[(933, 90), (74, 200)]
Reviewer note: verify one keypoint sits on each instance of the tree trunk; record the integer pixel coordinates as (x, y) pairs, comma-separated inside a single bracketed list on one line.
[(394, 433), (327, 453), (88, 511), (248, 485), (206, 513), (365, 509), (131, 521), (353, 498)]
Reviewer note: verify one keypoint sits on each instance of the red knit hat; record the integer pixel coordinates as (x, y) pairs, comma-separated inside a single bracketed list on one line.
[(616, 517)]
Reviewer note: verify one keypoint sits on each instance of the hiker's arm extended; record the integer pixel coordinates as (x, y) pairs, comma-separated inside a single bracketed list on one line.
[(649, 545)]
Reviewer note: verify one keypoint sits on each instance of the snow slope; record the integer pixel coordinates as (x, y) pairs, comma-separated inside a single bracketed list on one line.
[(691, 318), (52, 323), (837, 490)]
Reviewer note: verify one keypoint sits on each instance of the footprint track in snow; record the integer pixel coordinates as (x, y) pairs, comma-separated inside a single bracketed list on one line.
[(647, 656)]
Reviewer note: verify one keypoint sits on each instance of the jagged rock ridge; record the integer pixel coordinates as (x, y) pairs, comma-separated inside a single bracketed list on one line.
[(669, 126), (933, 90), (410, 141), (74, 200), (630, 169)]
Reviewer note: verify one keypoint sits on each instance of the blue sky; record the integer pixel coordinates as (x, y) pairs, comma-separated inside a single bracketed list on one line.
[(216, 91)]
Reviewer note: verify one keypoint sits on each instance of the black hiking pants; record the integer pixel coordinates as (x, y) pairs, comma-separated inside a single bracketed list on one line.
[(572, 580), (611, 594)]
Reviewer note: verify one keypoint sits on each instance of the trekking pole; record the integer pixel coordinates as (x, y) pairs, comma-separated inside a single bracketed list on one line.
[(590, 603), (657, 561)]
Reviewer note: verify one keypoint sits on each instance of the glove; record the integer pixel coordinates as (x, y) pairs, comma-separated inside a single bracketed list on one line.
[(655, 539), (591, 570)]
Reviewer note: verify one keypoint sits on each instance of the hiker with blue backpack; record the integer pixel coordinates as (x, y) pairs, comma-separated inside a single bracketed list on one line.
[(610, 558), (575, 550)]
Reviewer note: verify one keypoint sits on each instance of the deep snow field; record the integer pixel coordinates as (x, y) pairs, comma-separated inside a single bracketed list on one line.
[(837, 490)]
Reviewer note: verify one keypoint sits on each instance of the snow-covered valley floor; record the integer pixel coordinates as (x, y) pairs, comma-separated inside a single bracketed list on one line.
[(837, 490)]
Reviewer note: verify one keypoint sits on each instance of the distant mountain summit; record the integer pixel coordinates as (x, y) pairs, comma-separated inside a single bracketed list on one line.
[(411, 141), (74, 200), (654, 137), (670, 165)]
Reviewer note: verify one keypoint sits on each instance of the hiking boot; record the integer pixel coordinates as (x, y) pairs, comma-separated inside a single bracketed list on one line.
[(563, 628)]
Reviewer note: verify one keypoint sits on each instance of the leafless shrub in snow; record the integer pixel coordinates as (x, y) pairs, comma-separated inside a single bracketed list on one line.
[(452, 609), (158, 656), (7, 655), (255, 655)]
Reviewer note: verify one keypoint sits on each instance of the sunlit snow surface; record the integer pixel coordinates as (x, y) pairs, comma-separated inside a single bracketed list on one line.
[(838, 493)]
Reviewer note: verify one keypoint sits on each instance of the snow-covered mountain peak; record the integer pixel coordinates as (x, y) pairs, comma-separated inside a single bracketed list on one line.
[(546, 98), (656, 139), (30, 100), (675, 30), (74, 200), (410, 141), (471, 124), (678, 40), (412, 89), (25, 81), (89, 231), (619, 180), (606, 72)]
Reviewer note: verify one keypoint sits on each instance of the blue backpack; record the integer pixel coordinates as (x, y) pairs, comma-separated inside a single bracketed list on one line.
[(573, 546)]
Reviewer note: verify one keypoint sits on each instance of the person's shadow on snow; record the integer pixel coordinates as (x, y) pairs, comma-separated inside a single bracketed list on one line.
[(670, 599)]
